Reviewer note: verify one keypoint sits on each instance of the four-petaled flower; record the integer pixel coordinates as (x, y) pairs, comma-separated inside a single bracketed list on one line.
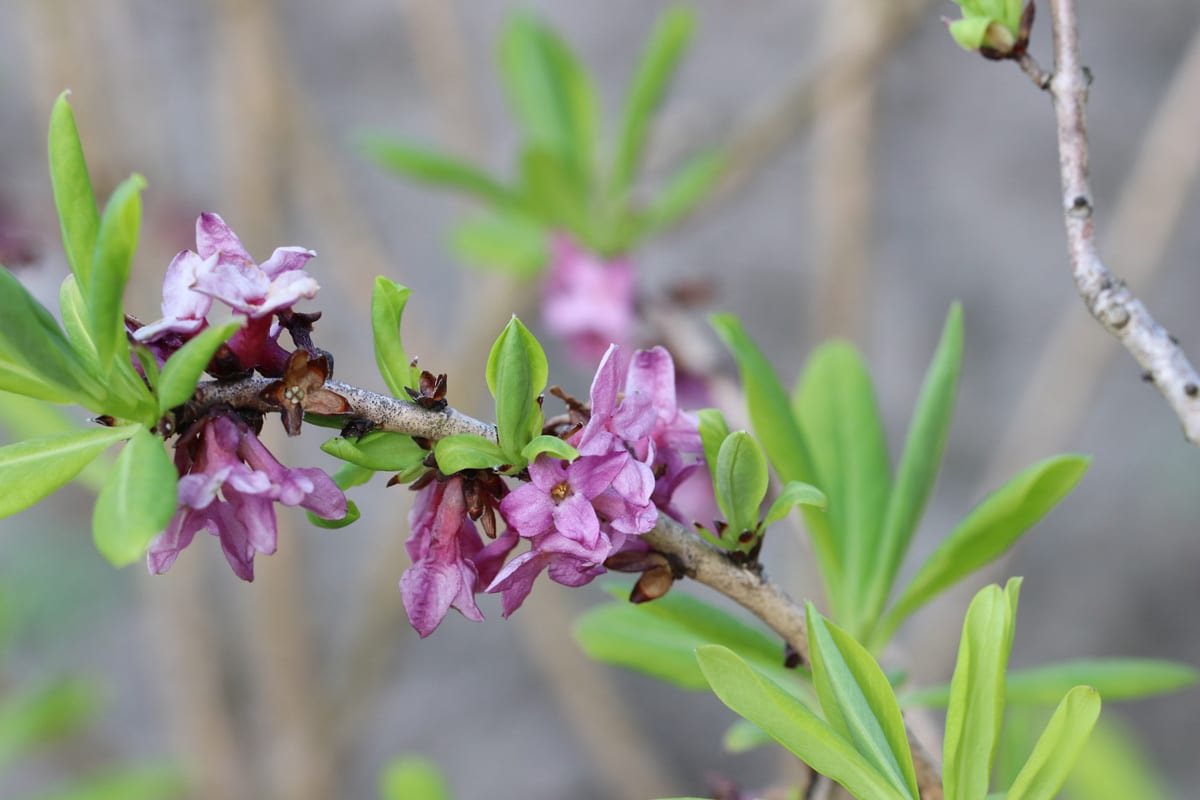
[(228, 486), (302, 388)]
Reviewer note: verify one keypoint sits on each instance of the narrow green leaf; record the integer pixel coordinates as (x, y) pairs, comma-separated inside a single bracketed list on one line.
[(31, 718), (1113, 678), (32, 469), (835, 405), (510, 243), (713, 430), (183, 369), (580, 104), (976, 710), (467, 451), (551, 445), (666, 46), (125, 783), (794, 494), (412, 778), (554, 194), (859, 702), (741, 482), (138, 501), (352, 516), (435, 168), (788, 722), (1059, 746), (111, 264), (516, 374), (988, 531), (1115, 766), (743, 736), (387, 309), (78, 214), (380, 451), (74, 313), (685, 189), (659, 639), (36, 359), (917, 473)]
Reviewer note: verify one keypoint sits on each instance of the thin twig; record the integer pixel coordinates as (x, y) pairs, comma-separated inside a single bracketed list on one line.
[(1108, 299)]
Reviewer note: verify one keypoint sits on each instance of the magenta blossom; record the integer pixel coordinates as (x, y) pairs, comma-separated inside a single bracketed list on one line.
[(229, 485), (450, 563), (221, 269), (587, 300)]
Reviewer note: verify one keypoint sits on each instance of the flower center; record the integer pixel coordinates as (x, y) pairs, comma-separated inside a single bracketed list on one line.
[(560, 492), (293, 394)]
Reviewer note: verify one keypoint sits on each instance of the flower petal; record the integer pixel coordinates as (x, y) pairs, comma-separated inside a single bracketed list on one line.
[(214, 236)]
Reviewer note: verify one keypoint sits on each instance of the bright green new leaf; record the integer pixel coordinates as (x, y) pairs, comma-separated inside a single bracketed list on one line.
[(380, 451), (516, 374), (835, 405), (78, 214), (183, 369), (27, 417), (36, 360), (352, 516), (554, 194), (743, 736), (510, 243), (1114, 766), (684, 191), (1059, 746), (741, 482), (468, 451), (923, 449), (112, 261), (432, 167), (976, 710), (347, 476), (73, 310), (794, 494), (34, 717), (387, 308), (1113, 678), (659, 639), (137, 502), (859, 702), (412, 778), (666, 46), (32, 469), (126, 783), (988, 531), (788, 722), (713, 430), (551, 445)]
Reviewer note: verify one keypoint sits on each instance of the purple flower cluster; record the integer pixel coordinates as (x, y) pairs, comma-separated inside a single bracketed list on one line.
[(222, 269), (229, 485), (634, 449)]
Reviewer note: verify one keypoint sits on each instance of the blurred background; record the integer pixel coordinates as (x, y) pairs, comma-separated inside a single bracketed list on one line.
[(877, 174)]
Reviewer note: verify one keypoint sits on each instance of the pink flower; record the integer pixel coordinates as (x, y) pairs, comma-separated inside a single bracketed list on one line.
[(588, 301), (229, 485)]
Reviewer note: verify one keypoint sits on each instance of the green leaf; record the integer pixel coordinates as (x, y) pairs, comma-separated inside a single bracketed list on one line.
[(34, 717), (794, 494), (788, 722), (516, 374), (743, 736), (468, 451), (412, 778), (684, 191), (137, 502), (971, 34), (125, 783), (835, 404), (550, 94), (1113, 766), (551, 445), (988, 531), (659, 639), (78, 214), (509, 243), (33, 469), (859, 702), (74, 313), (1059, 746), (666, 46), (713, 430), (183, 369), (554, 195), (352, 516), (438, 169), (1114, 678), (776, 428), (976, 710), (111, 264), (380, 451), (36, 360), (387, 308), (917, 473), (741, 482)]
